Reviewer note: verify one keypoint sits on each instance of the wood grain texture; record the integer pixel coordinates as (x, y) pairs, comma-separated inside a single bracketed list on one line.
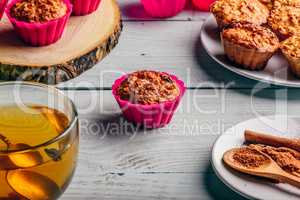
[(167, 163), (112, 186), (86, 40), (171, 46)]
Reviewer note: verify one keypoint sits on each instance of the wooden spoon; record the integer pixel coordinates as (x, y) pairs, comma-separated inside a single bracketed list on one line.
[(267, 168)]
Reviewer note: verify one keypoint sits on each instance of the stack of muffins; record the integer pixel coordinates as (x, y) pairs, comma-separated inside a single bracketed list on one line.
[(253, 30), (42, 22)]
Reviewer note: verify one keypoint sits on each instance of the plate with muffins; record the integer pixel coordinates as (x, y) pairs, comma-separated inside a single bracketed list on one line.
[(258, 39)]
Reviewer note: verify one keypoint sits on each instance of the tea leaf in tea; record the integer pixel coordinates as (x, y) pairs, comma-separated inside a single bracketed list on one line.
[(54, 154)]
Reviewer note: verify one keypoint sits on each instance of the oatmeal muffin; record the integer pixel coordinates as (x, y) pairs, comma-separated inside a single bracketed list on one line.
[(227, 12), (279, 3), (285, 21), (249, 45), (291, 50), (38, 10), (148, 87), (39, 22), (148, 98), (268, 3)]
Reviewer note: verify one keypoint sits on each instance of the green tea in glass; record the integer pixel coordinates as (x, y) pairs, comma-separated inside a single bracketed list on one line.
[(38, 141)]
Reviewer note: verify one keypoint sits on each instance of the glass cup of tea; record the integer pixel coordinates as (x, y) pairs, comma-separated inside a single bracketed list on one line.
[(39, 138)]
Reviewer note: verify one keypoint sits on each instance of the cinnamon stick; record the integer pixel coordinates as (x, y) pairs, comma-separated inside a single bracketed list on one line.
[(261, 138)]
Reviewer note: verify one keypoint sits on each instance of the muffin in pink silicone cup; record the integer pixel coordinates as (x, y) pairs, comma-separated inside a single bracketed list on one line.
[(163, 8), (148, 98), (39, 23), (85, 7), (2, 7)]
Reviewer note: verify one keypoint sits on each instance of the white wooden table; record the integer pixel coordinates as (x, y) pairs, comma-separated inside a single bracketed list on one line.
[(122, 163)]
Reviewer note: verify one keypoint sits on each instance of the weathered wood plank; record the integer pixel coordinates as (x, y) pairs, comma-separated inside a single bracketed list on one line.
[(111, 186), (167, 163), (173, 47), (232, 105)]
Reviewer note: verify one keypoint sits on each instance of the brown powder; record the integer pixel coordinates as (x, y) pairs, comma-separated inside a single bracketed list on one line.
[(287, 159), (38, 10), (249, 158)]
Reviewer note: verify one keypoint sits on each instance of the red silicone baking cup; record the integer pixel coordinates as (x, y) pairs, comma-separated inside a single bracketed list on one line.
[(2, 7), (163, 8), (85, 7), (149, 116), (40, 34)]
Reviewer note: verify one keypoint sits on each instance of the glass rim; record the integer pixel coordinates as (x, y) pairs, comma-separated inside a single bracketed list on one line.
[(67, 130)]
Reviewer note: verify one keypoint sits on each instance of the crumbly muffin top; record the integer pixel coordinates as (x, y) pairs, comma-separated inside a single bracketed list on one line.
[(253, 36), (279, 3), (268, 3), (38, 10), (291, 46), (230, 11), (148, 87), (285, 20)]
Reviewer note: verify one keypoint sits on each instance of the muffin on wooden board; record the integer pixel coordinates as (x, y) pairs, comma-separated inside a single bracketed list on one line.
[(291, 50), (285, 21), (39, 23), (249, 45), (227, 12)]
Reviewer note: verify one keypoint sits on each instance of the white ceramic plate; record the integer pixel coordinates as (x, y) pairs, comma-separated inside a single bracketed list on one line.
[(276, 72), (246, 185)]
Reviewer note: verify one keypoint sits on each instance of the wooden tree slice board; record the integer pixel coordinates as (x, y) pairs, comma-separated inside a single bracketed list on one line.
[(86, 40)]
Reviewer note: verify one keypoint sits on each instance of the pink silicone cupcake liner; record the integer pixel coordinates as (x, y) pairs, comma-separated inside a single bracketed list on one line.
[(163, 8), (149, 116), (84, 7), (2, 7), (40, 34), (203, 5)]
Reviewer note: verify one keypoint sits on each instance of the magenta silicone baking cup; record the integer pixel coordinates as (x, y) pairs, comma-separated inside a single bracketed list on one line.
[(149, 116), (85, 7), (2, 7), (40, 34), (163, 8), (203, 5)]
